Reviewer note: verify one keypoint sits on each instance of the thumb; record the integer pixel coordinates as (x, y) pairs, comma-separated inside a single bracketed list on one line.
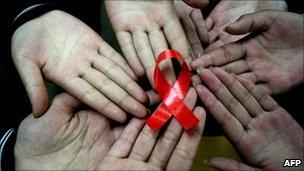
[(251, 22), (34, 85), (197, 3), (223, 163)]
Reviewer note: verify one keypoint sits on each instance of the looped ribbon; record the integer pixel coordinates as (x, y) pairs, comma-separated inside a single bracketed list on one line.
[(172, 97)]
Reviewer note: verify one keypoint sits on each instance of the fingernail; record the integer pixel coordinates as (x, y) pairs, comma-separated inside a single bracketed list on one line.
[(200, 69)]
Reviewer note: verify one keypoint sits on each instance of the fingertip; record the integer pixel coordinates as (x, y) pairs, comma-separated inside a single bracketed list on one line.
[(133, 75), (142, 97), (199, 89), (40, 104), (245, 82), (195, 80), (113, 112), (135, 107), (204, 73), (122, 118), (199, 110), (139, 71), (209, 23), (193, 64)]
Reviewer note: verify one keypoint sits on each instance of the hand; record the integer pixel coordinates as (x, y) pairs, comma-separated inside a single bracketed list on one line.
[(64, 50), (197, 3), (194, 25), (142, 149), (63, 139), (273, 59), (262, 131), (143, 29), (226, 12)]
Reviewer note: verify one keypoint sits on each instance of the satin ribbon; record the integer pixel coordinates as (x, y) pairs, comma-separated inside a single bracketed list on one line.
[(172, 97)]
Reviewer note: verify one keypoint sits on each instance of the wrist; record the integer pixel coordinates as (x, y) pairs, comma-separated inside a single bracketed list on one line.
[(30, 13)]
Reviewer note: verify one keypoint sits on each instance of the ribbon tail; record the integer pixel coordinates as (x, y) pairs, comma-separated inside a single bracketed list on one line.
[(159, 117), (187, 120), (183, 115)]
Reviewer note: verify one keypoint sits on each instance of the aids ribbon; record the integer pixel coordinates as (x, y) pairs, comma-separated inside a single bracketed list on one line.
[(172, 97)]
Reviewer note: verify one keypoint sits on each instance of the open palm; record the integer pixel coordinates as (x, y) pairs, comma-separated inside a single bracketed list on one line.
[(194, 25), (65, 51), (143, 29), (273, 59), (262, 131), (65, 138), (227, 11)]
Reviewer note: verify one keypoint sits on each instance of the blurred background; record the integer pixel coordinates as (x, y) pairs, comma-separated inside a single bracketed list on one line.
[(14, 104)]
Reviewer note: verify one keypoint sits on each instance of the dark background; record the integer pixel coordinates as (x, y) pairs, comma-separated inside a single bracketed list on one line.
[(14, 104)]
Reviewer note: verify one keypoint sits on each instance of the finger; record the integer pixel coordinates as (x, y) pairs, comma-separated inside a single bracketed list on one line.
[(209, 23), (223, 163), (200, 26), (168, 140), (192, 36), (177, 39), (251, 22), (115, 73), (219, 42), (107, 51), (158, 41), (144, 52), (117, 131), (123, 145), (93, 98), (230, 124), (197, 4), (264, 99), (238, 91), (185, 151), (159, 44), (225, 96), (213, 37), (114, 92), (265, 88), (64, 102), (126, 43), (223, 55), (153, 97), (147, 138), (196, 80), (249, 76), (34, 85), (236, 67)]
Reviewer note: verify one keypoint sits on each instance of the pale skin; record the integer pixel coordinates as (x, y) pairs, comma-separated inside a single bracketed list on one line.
[(62, 49), (273, 59), (143, 29), (227, 11), (197, 3), (65, 138), (262, 132), (193, 22)]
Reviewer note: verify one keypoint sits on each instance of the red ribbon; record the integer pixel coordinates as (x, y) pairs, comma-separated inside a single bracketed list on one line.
[(172, 96)]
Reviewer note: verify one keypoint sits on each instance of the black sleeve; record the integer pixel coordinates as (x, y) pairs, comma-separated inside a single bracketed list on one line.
[(7, 143), (28, 10)]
